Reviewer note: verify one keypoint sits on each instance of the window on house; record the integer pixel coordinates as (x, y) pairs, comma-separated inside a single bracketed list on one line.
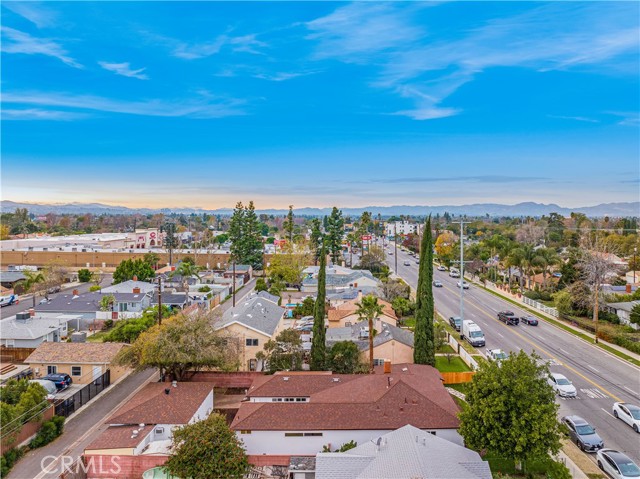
[(378, 362), (314, 434), (301, 399), (293, 434), (251, 342), (245, 431), (159, 430), (10, 343), (52, 369), (253, 364), (76, 370), (276, 399)]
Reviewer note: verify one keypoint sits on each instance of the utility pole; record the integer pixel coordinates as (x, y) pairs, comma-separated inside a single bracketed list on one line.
[(159, 300), (234, 283), (395, 240), (635, 251), (462, 268)]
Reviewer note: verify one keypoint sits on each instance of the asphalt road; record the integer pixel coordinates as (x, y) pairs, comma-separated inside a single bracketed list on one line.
[(599, 377)]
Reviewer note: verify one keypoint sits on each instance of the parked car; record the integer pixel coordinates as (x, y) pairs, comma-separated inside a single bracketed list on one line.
[(305, 328), (464, 284), (391, 252), (561, 385), (407, 263), (617, 464), (508, 317), (583, 434), (62, 381), (454, 273), (49, 386), (441, 268), (629, 413), (530, 320), (496, 355), (437, 283), (54, 289), (455, 322)]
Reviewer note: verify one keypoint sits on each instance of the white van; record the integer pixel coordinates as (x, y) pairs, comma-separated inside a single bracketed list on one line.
[(472, 333), (454, 273)]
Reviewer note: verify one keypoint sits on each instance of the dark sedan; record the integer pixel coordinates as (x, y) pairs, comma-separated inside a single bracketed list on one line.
[(530, 320), (583, 434), (455, 323), (62, 381)]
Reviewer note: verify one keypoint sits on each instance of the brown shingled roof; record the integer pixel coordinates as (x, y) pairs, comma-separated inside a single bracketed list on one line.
[(76, 353), (152, 406), (411, 394), (116, 437)]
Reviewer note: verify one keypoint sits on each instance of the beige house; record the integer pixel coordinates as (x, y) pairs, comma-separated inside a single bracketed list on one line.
[(84, 362), (390, 342), (254, 322), (345, 314)]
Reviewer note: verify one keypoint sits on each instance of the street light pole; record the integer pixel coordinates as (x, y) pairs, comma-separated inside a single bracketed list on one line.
[(635, 250), (395, 240), (462, 269)]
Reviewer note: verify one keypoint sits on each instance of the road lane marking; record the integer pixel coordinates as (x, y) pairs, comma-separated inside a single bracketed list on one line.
[(607, 412), (591, 367), (501, 335), (594, 393), (538, 348), (631, 390)]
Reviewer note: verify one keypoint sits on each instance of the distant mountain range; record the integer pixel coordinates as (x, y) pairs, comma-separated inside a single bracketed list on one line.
[(476, 209)]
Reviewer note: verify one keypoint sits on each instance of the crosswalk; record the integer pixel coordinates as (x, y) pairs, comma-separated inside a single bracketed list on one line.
[(594, 393)]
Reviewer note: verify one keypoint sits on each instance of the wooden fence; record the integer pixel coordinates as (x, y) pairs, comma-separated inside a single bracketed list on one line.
[(14, 355), (457, 378)]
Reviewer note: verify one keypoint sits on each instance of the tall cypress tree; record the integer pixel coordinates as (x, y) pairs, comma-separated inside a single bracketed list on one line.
[(236, 233), (318, 346), (423, 348)]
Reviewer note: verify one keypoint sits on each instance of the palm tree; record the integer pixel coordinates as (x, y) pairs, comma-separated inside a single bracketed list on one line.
[(187, 270), (29, 284), (549, 258), (369, 309), (515, 259), (530, 259)]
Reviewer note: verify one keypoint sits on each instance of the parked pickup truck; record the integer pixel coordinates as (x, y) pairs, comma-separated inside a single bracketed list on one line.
[(508, 317)]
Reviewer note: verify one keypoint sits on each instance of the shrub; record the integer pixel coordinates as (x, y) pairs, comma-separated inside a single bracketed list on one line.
[(608, 317), (95, 287), (108, 324), (58, 421), (261, 285), (84, 275), (9, 458), (534, 295), (47, 433), (204, 289)]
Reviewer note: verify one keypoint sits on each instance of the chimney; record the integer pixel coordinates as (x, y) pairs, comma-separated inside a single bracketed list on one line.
[(32, 312), (136, 290), (167, 391), (387, 366), (628, 289), (75, 292), (135, 278)]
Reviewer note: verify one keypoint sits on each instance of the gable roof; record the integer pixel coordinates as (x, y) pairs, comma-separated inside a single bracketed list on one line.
[(86, 302), (152, 406), (411, 394), (352, 333), (266, 295), (405, 453), (349, 308), (76, 353), (256, 313), (34, 328), (128, 286)]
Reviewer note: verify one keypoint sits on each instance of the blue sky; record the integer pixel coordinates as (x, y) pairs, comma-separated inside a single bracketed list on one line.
[(320, 103)]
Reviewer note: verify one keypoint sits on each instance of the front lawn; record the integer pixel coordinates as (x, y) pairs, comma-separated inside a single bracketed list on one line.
[(97, 337), (537, 468), (457, 365)]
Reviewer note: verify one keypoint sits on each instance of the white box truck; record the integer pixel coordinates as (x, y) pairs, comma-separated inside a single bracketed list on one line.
[(472, 333)]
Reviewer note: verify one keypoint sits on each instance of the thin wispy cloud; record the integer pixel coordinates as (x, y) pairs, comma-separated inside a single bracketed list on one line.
[(576, 118), (36, 12), (39, 114), (193, 51), (201, 107), (550, 37), (15, 41), (472, 179), (281, 76), (125, 70), (629, 118)]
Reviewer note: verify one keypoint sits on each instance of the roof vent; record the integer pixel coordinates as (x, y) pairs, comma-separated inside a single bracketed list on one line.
[(286, 378), (174, 383), (167, 391), (336, 380), (405, 369)]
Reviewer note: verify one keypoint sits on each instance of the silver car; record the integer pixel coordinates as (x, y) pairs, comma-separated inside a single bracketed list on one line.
[(628, 413), (617, 464), (561, 385), (583, 434)]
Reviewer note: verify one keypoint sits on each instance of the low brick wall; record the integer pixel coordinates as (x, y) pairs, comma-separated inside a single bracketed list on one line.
[(122, 467), (28, 430)]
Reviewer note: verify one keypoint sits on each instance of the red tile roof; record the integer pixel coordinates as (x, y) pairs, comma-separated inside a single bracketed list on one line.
[(152, 406), (378, 401)]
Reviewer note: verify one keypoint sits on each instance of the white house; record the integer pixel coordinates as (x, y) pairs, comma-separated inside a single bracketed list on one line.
[(402, 228), (297, 413), (406, 453), (26, 331), (140, 432)]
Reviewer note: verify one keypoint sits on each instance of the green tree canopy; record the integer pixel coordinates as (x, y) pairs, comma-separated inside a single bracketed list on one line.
[(129, 268), (318, 346), (207, 450), (512, 412), (283, 353), (344, 358), (128, 330), (180, 345), (335, 232), (424, 348), (634, 317)]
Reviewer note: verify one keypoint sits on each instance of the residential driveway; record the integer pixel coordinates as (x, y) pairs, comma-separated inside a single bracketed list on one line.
[(80, 429)]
